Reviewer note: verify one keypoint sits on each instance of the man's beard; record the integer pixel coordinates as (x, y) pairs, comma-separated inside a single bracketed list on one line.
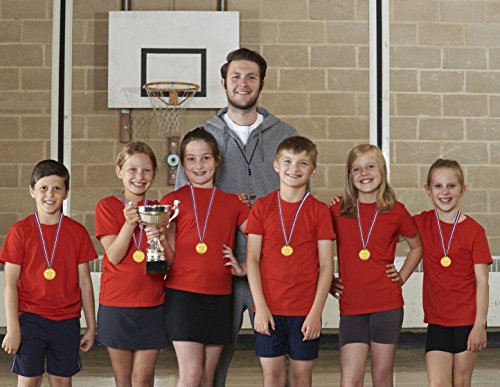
[(247, 106)]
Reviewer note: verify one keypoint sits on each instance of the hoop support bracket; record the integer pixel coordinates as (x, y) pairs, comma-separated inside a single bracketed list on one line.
[(172, 158)]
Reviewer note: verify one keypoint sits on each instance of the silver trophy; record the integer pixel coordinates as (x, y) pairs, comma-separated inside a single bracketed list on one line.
[(157, 215)]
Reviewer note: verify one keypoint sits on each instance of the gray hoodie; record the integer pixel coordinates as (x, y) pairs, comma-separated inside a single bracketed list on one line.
[(232, 174)]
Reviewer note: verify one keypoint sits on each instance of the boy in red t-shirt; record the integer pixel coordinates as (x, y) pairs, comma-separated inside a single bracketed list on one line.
[(47, 282), (290, 272)]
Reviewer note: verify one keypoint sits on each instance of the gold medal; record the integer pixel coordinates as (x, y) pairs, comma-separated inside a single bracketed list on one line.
[(201, 248), (49, 274), (138, 256), (287, 250), (364, 254), (445, 261)]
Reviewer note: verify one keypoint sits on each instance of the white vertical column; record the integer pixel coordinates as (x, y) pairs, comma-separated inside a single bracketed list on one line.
[(386, 100), (61, 88), (379, 113)]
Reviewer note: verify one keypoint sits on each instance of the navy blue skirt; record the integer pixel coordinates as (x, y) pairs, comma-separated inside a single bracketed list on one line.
[(131, 328), (202, 318)]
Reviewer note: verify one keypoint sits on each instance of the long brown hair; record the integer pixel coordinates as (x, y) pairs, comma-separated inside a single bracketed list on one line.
[(386, 197)]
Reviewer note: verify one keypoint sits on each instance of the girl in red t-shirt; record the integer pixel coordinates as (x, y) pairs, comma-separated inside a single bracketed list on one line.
[(130, 315), (368, 222), (198, 304), (456, 257)]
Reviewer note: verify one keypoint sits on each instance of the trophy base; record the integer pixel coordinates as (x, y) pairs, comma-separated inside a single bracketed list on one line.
[(156, 267)]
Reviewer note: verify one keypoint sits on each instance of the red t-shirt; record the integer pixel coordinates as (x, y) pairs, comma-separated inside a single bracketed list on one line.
[(126, 284), (58, 299), (367, 289), (204, 273), (449, 295), (290, 283)]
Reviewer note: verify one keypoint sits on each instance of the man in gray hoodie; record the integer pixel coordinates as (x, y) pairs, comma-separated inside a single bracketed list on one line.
[(248, 137)]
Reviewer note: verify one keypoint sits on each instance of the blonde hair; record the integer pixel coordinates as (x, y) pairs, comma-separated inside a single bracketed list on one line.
[(386, 197), (449, 164), (133, 148)]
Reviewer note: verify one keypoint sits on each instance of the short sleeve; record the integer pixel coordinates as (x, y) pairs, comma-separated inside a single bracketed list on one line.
[(244, 212), (324, 226), (255, 222), (13, 249), (106, 222), (87, 251), (480, 249), (406, 226)]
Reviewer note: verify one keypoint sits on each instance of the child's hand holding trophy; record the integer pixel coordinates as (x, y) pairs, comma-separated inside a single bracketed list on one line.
[(157, 216)]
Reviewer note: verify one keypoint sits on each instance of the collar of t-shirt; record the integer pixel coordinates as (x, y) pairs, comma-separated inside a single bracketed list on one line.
[(243, 131)]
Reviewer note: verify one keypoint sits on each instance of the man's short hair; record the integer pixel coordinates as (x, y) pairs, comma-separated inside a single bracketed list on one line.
[(245, 54)]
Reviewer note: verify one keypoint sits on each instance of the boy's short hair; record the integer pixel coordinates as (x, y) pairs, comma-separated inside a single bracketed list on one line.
[(245, 54), (48, 168), (299, 144)]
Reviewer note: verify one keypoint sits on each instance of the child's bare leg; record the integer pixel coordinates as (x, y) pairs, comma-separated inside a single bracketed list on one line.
[(382, 364), (191, 359), (352, 364), (32, 381), (59, 381), (121, 362), (463, 366), (274, 371), (143, 367), (300, 373), (439, 368), (212, 355)]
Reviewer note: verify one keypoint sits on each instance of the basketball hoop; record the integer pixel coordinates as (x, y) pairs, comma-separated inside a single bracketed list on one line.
[(169, 100)]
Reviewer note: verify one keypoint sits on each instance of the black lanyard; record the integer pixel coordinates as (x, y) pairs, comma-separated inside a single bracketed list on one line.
[(251, 192), (245, 157)]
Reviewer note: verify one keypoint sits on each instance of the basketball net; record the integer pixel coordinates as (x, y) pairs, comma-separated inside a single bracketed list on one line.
[(169, 100)]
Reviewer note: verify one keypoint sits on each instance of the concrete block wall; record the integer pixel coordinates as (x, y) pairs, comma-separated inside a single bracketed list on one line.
[(445, 82)]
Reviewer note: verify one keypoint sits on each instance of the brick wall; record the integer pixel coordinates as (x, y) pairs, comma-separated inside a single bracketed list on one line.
[(445, 82), (25, 35)]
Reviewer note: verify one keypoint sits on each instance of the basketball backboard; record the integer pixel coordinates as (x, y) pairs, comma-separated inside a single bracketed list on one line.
[(156, 46)]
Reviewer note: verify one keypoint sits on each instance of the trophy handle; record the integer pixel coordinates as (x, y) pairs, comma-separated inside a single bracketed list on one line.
[(176, 210)]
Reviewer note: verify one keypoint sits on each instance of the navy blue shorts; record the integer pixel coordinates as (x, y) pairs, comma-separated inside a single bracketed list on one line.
[(287, 339), (55, 344), (447, 339)]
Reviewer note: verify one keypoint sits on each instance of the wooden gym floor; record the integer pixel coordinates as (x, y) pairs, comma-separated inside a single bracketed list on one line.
[(245, 369)]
